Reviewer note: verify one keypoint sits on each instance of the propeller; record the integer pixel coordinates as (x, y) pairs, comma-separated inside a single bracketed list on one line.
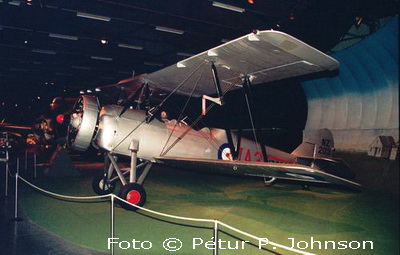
[(83, 122)]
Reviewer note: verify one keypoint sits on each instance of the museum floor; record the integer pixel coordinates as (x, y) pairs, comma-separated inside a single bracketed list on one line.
[(280, 212)]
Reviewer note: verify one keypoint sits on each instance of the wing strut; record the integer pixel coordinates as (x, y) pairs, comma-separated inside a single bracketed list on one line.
[(131, 98), (220, 101), (238, 142), (256, 131), (217, 83), (220, 97)]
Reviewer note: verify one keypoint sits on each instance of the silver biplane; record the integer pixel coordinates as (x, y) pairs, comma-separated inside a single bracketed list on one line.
[(257, 58)]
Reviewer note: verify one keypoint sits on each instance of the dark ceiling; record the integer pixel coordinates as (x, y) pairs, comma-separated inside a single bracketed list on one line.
[(52, 47)]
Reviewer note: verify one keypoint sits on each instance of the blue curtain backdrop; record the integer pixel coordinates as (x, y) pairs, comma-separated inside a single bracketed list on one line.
[(362, 101)]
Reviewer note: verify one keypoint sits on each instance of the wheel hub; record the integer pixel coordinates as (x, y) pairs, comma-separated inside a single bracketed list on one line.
[(133, 197)]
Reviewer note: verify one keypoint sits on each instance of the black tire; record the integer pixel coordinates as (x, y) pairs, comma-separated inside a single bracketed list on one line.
[(99, 188), (133, 193)]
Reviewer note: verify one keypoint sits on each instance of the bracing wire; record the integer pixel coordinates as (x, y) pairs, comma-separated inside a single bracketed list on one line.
[(252, 124), (183, 110), (160, 104), (194, 123)]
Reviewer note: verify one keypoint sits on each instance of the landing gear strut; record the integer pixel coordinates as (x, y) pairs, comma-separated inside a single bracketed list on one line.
[(101, 186), (132, 191)]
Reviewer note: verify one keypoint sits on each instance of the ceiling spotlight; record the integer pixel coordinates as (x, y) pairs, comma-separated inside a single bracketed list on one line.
[(291, 16), (103, 40), (130, 46), (228, 7), (15, 2), (92, 16), (29, 2), (61, 36), (49, 52), (101, 58), (170, 30)]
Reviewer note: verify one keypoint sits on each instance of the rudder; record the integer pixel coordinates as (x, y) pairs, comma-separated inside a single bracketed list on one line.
[(316, 144)]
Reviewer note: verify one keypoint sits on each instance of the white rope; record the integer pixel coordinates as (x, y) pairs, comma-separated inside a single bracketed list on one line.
[(215, 221), (261, 239), (64, 196), (164, 214)]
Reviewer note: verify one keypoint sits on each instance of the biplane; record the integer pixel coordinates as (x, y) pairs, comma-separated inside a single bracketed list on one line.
[(257, 58)]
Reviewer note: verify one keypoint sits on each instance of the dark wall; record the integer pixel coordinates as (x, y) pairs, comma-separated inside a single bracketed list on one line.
[(279, 109)]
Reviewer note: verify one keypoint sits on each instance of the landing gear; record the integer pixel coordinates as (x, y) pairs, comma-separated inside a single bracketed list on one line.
[(133, 193), (102, 186), (132, 189)]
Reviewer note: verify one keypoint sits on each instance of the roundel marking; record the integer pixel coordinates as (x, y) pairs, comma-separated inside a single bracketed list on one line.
[(224, 152)]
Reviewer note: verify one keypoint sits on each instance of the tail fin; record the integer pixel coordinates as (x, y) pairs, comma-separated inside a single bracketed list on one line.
[(316, 144)]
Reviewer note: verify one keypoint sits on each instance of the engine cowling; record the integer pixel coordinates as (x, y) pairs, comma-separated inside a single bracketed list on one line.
[(83, 124)]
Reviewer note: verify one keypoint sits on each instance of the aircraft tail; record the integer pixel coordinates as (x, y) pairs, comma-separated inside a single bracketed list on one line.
[(316, 144)]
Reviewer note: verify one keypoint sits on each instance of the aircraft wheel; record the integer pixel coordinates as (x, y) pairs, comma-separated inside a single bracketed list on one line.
[(133, 193), (101, 188)]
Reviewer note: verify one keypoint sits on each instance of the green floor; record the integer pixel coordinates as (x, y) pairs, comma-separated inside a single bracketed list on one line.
[(279, 212)]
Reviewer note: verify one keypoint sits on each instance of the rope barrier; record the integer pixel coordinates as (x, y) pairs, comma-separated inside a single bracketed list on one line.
[(112, 197), (262, 239), (165, 214), (217, 222), (64, 197)]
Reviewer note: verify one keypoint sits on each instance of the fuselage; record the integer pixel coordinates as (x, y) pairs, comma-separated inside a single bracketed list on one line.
[(170, 138)]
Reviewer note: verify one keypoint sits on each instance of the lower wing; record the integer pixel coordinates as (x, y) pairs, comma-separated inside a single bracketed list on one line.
[(259, 169)]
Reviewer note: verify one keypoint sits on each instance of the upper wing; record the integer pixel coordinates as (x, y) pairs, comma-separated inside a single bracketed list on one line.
[(265, 56), (260, 169), (127, 90)]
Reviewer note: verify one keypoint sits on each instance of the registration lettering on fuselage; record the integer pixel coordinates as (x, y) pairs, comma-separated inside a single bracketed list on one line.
[(245, 154)]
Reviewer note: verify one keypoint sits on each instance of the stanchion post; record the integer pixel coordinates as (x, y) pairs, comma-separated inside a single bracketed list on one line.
[(6, 183), (16, 218), (216, 237), (34, 165), (26, 159), (112, 223)]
